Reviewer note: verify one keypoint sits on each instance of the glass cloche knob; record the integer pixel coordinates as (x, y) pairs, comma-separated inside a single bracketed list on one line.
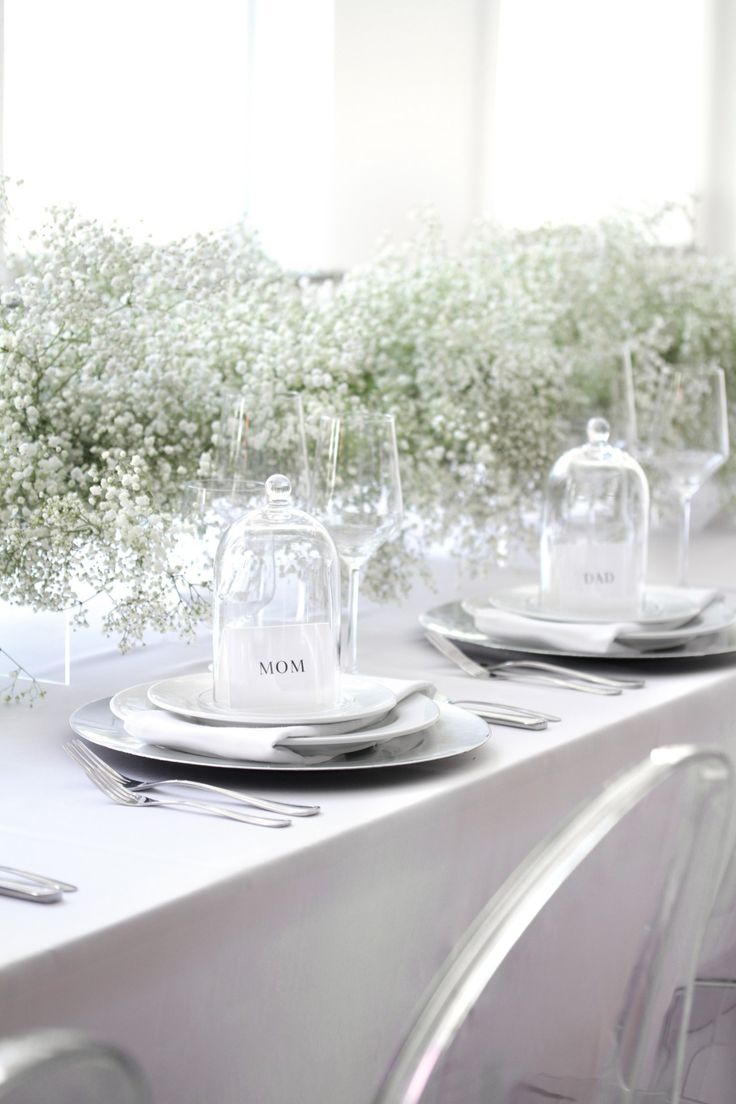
[(598, 431), (278, 490)]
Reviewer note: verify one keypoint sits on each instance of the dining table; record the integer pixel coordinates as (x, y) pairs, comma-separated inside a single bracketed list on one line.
[(237, 963)]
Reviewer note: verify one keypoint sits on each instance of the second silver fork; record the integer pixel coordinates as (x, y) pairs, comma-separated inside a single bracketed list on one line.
[(533, 670), (283, 808), (122, 795)]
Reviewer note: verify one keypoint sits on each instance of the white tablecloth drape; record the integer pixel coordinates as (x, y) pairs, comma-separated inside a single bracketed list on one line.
[(243, 964)]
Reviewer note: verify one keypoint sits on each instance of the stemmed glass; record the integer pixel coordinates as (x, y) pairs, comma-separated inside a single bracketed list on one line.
[(356, 492), (680, 431), (211, 503), (208, 506), (259, 439)]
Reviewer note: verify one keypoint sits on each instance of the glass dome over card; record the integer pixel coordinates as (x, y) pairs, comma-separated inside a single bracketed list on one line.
[(276, 610), (594, 531)]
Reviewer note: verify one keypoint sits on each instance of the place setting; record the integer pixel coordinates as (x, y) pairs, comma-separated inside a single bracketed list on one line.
[(276, 696), (591, 599)]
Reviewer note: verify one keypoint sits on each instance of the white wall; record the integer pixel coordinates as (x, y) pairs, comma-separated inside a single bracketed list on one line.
[(521, 110), (289, 186), (600, 105), (717, 229), (411, 88), (362, 112)]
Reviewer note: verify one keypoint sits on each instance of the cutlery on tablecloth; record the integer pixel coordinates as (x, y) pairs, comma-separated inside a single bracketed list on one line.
[(32, 887), (283, 808), (509, 716), (497, 715), (120, 794), (532, 670)]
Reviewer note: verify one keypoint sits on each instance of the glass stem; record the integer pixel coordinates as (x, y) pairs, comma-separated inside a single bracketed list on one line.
[(349, 649), (684, 545)]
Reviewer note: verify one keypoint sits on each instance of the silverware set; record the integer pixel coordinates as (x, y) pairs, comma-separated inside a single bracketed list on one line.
[(124, 790), (32, 887), (267, 813), (129, 791), (532, 670)]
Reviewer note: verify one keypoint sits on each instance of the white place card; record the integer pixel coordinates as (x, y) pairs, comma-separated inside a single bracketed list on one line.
[(594, 581), (277, 668)]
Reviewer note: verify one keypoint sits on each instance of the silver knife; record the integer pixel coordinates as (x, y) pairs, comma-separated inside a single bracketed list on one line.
[(506, 720), (506, 715), (503, 708), (32, 887), (42, 895)]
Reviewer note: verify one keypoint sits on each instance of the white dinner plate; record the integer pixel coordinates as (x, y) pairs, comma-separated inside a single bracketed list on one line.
[(413, 714), (133, 699), (455, 732), (454, 622), (192, 696), (664, 606), (719, 615)]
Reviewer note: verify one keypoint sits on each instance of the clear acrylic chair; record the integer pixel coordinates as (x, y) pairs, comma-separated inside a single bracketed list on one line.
[(575, 982), (66, 1067), (709, 1068)]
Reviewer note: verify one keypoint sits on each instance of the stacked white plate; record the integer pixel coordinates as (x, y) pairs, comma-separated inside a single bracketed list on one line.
[(671, 616), (389, 720)]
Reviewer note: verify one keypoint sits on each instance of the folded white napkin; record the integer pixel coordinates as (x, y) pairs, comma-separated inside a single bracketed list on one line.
[(156, 726), (569, 636)]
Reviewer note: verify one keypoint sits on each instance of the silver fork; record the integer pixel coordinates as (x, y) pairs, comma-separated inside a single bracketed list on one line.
[(534, 670), (120, 794), (283, 808)]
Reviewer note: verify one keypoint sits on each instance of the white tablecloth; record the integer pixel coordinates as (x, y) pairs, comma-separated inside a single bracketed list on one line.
[(243, 964)]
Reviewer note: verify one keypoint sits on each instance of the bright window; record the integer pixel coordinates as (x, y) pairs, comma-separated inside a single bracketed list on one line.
[(326, 120), (598, 105), (134, 111)]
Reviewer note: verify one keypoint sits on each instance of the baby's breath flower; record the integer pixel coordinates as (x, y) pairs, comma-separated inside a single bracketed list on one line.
[(115, 356)]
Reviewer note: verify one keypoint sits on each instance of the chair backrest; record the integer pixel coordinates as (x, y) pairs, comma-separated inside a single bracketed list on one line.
[(575, 981), (710, 1048), (66, 1067)]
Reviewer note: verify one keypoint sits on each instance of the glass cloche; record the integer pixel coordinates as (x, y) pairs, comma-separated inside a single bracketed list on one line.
[(594, 531), (276, 610)]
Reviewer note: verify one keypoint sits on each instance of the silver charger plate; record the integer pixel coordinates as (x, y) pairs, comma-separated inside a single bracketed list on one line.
[(452, 621), (455, 733)]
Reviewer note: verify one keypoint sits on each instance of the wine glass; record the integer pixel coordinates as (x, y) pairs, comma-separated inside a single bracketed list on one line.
[(356, 492), (680, 431), (259, 439), (212, 503), (208, 506)]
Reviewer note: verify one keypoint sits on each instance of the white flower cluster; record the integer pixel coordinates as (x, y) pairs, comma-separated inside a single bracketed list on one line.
[(115, 356), (493, 360)]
